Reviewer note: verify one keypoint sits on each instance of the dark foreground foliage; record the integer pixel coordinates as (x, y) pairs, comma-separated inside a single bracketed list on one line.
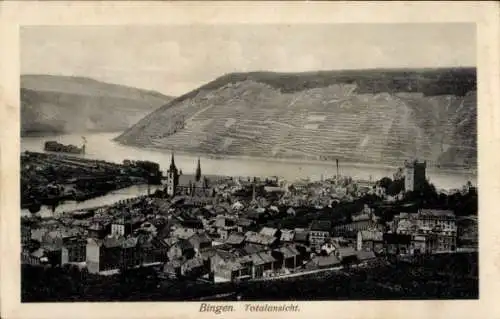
[(436, 277)]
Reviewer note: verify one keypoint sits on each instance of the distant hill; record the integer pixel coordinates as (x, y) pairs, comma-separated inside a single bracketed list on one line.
[(62, 104), (370, 116)]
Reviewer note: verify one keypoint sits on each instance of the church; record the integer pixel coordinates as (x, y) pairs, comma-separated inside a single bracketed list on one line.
[(185, 184)]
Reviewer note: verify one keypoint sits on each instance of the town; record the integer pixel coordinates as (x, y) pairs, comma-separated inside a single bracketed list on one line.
[(220, 229)]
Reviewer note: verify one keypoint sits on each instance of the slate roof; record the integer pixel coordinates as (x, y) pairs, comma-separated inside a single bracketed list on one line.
[(301, 235), (235, 238), (244, 222), (288, 251), (321, 225), (268, 231), (287, 235), (256, 238), (262, 258), (437, 213), (252, 248)]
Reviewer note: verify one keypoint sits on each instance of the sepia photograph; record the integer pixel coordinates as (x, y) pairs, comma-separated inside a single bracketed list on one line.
[(248, 162)]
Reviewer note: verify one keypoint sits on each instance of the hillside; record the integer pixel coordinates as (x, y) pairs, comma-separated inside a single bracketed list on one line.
[(371, 116), (60, 104)]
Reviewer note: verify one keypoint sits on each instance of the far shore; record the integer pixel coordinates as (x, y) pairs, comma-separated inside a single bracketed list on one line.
[(463, 171)]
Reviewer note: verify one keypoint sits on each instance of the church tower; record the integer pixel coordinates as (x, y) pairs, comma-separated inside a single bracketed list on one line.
[(198, 171), (172, 177)]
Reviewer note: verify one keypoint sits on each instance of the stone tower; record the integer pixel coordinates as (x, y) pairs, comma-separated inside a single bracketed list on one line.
[(415, 178), (172, 177)]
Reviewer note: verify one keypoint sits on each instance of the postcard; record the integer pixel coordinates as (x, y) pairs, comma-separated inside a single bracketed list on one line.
[(249, 159)]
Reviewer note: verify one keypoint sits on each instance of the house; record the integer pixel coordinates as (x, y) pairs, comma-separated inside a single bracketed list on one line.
[(206, 255), (320, 262), (370, 240), (73, 251), (181, 249), (287, 235), (271, 232), (329, 247), (261, 262), (173, 268), (418, 245), (227, 266), (149, 227), (98, 229), (183, 233), (287, 257), (244, 224), (121, 227), (347, 255), (237, 206), (438, 227), (200, 241), (352, 229), (236, 239), (319, 231), (224, 226), (260, 239), (397, 243), (194, 267), (39, 233), (60, 235), (25, 234), (301, 236), (112, 253)]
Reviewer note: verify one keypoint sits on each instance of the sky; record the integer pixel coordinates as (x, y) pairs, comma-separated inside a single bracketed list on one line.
[(174, 60)]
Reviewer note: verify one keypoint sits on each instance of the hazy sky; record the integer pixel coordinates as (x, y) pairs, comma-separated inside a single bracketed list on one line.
[(176, 59)]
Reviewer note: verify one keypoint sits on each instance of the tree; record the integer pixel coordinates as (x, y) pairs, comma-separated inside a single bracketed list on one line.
[(385, 182), (396, 187)]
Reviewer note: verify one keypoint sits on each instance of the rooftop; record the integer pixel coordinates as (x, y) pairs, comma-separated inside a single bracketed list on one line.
[(321, 225)]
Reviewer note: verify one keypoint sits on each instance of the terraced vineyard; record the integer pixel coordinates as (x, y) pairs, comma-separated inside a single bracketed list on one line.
[(321, 120)]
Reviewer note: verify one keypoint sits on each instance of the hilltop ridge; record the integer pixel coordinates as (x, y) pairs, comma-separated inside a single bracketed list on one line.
[(372, 116), (53, 104)]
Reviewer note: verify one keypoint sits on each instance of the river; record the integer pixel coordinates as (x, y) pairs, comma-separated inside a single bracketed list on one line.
[(108, 199), (101, 146)]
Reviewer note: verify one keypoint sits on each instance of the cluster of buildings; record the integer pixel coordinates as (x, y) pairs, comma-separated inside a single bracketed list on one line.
[(211, 228)]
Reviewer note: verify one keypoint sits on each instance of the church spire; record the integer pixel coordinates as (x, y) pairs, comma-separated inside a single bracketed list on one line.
[(172, 163), (198, 171)]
